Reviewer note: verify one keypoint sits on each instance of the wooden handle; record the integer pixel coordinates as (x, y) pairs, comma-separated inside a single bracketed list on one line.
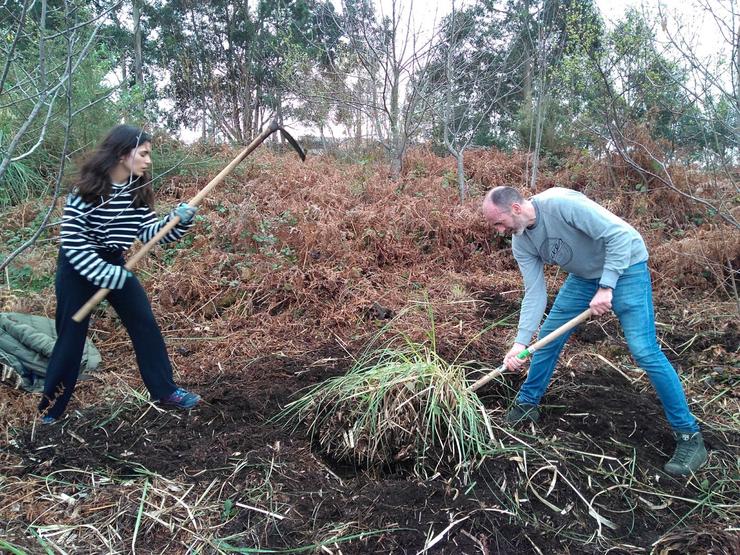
[(195, 201), (553, 335), (569, 325), (82, 313), (91, 303), (488, 377)]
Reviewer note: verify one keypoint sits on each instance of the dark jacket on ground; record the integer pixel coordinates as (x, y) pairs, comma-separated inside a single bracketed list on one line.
[(26, 342)]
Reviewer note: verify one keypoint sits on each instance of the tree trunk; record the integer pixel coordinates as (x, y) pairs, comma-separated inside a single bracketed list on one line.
[(527, 116), (461, 176), (124, 83), (247, 108), (204, 132), (358, 128), (539, 114), (397, 146), (138, 64), (279, 118), (256, 119)]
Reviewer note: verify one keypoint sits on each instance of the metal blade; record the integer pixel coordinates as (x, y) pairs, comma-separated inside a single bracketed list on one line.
[(288, 137)]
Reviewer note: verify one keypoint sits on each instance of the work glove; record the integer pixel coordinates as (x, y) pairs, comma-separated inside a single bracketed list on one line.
[(186, 212)]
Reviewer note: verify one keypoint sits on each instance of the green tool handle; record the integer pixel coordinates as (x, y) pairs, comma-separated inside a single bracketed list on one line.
[(569, 325)]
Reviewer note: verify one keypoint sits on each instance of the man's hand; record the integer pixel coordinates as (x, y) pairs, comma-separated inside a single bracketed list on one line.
[(602, 301), (511, 362)]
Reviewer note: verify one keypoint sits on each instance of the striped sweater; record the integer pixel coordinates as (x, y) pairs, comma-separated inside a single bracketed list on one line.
[(111, 226)]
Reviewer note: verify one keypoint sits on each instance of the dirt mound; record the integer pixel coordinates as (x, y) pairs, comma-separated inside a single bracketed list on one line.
[(611, 427)]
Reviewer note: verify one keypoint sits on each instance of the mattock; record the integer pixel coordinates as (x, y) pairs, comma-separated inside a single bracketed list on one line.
[(82, 313)]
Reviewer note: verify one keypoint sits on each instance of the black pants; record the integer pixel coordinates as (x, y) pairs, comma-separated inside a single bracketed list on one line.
[(133, 308)]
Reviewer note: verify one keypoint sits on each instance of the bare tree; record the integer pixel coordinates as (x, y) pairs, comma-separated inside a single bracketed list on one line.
[(138, 62), (479, 72), (42, 90), (713, 83), (544, 54), (381, 74), (704, 86)]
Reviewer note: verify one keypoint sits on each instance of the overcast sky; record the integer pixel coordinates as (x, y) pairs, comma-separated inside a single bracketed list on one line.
[(428, 12)]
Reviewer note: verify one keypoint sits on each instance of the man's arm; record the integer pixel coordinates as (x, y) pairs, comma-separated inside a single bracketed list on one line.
[(535, 293), (599, 224), (533, 303)]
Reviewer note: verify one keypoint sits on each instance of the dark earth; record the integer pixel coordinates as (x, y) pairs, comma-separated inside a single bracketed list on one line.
[(590, 408), (596, 408)]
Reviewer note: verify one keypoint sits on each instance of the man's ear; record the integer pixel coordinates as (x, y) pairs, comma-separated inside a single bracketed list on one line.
[(516, 208)]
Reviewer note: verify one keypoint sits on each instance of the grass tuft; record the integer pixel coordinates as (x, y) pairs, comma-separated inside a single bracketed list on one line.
[(398, 405)]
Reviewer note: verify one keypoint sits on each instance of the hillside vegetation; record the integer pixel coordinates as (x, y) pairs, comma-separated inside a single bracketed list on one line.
[(291, 270)]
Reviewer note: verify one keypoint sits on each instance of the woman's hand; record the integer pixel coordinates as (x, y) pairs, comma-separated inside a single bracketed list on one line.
[(185, 212)]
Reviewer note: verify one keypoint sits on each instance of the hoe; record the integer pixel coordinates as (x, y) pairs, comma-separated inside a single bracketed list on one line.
[(274, 126)]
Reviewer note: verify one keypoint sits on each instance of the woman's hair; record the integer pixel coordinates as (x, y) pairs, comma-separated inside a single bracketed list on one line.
[(93, 181)]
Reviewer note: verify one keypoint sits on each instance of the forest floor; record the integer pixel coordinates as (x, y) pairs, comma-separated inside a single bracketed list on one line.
[(291, 270)]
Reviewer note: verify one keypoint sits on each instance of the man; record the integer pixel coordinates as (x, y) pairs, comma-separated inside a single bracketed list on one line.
[(606, 260)]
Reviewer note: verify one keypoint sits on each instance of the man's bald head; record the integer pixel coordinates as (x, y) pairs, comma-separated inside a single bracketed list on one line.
[(507, 211), (503, 197)]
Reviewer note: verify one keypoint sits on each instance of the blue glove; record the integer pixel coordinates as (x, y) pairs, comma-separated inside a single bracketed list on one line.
[(186, 212)]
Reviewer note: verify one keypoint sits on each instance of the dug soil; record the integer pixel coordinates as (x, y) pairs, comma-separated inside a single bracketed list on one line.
[(587, 408)]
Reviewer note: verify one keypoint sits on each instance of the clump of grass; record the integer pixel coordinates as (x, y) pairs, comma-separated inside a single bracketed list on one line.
[(396, 405), (19, 184)]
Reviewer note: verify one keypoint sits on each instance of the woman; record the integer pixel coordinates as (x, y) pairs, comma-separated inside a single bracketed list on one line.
[(110, 205)]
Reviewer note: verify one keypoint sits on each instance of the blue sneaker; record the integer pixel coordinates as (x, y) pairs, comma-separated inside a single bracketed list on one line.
[(690, 454), (181, 398), (48, 419)]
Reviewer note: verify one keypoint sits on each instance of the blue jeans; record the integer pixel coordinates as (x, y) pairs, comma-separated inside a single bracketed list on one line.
[(633, 304)]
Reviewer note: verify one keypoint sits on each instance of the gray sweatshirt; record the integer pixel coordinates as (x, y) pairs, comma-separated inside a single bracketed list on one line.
[(580, 236)]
